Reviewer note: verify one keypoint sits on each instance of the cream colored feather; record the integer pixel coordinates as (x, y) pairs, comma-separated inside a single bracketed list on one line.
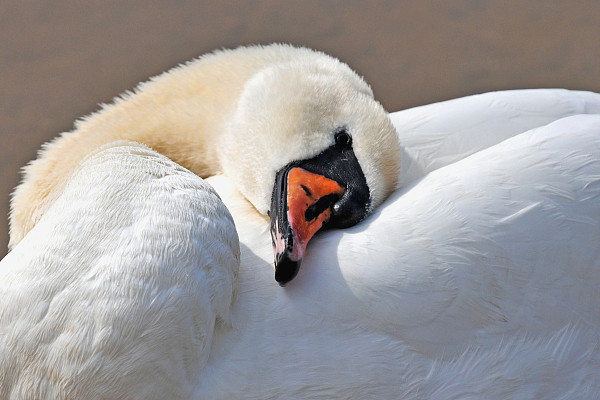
[(245, 112)]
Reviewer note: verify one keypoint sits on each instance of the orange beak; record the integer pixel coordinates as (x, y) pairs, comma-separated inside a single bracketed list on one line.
[(309, 199), (329, 189)]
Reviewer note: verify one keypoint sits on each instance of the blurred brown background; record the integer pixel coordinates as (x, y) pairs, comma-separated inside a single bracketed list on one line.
[(59, 59)]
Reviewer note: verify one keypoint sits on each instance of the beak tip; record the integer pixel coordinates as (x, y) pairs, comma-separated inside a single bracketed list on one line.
[(286, 269)]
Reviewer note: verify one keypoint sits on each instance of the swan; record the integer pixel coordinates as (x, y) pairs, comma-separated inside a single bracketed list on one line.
[(486, 288)]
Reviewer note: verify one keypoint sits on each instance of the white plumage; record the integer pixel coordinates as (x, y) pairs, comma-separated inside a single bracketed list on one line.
[(80, 321), (439, 134), (479, 278)]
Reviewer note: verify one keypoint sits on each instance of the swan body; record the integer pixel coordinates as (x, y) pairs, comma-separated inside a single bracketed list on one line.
[(478, 278), (486, 289)]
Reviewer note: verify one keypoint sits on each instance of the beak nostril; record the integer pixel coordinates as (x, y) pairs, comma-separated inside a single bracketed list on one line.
[(306, 190)]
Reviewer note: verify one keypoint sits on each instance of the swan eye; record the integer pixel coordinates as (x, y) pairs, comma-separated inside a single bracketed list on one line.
[(342, 140)]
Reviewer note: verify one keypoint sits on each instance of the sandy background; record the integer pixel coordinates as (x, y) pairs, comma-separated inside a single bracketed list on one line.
[(59, 59)]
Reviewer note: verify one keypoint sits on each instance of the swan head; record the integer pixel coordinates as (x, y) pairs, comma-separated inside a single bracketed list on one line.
[(309, 146)]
